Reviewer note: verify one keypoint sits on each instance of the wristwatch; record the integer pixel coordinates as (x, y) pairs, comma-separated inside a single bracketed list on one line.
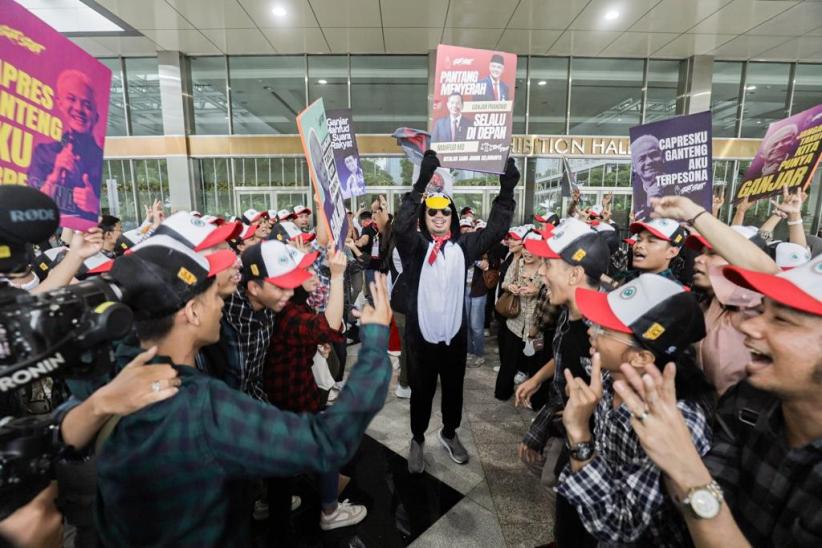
[(704, 502), (581, 451)]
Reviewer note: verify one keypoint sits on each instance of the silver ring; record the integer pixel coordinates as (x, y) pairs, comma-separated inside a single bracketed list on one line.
[(643, 416), (155, 386)]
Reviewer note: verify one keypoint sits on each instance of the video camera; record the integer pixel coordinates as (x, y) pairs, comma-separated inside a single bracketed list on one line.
[(66, 332)]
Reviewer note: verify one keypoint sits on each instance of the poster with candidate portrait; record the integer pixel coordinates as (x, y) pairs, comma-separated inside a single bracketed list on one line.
[(788, 155), (346, 155), (672, 158), (471, 126), (54, 113), (319, 153)]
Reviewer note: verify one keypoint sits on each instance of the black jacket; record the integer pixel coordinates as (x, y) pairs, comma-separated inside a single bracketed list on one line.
[(413, 245)]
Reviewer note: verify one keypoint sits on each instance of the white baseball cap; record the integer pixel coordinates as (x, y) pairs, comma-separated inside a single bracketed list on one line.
[(799, 288), (272, 261), (301, 209), (251, 216), (664, 229), (790, 255), (195, 232), (285, 214)]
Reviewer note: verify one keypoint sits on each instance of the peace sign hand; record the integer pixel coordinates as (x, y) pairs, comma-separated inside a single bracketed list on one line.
[(582, 400)]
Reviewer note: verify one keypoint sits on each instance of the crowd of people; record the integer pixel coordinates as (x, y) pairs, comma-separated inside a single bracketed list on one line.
[(675, 375)]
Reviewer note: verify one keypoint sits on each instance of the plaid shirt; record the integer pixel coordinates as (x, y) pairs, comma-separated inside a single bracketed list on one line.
[(773, 491), (288, 379), (618, 495), (176, 473), (223, 359), (254, 330)]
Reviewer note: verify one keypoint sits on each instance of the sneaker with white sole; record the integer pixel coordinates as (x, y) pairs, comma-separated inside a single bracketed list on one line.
[(402, 392), (471, 361), (520, 377), (345, 515), (455, 448), (260, 510)]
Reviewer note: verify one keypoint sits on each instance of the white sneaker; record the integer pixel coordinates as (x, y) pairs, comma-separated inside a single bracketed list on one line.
[(260, 510), (496, 369), (295, 502), (480, 361), (520, 377), (333, 394), (345, 515), (402, 392)]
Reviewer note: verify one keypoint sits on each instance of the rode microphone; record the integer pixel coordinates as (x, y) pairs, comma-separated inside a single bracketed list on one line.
[(27, 216)]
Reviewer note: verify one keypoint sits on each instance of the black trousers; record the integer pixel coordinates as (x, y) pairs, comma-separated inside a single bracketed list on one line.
[(429, 362), (512, 360)]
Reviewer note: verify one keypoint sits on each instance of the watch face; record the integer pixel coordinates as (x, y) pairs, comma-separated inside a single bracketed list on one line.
[(704, 504)]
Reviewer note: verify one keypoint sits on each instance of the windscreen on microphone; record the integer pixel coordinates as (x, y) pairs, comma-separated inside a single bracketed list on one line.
[(26, 215)]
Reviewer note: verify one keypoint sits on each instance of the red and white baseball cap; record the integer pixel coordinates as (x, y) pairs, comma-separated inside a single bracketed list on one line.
[(272, 214), (96, 264), (595, 211), (600, 226), (251, 216), (217, 262), (799, 288), (479, 224), (285, 215), (293, 233), (696, 241), (213, 220), (519, 232), (303, 260), (661, 314), (664, 229), (467, 221), (300, 209), (246, 231), (195, 232), (577, 244), (272, 262), (790, 255)]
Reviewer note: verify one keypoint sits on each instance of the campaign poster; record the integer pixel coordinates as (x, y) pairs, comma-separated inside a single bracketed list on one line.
[(53, 115), (442, 182), (346, 155), (672, 158), (788, 155), (473, 109), (319, 153)]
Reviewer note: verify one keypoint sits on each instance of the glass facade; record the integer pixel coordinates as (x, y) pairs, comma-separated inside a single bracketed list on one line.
[(267, 93), (807, 88), (328, 78), (116, 100), (131, 185), (143, 89), (209, 95), (549, 95), (725, 87), (606, 96), (766, 97), (661, 90), (389, 91)]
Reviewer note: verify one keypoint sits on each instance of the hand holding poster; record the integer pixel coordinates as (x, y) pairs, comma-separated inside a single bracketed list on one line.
[(53, 120), (319, 153), (473, 108), (787, 156), (672, 158), (346, 155)]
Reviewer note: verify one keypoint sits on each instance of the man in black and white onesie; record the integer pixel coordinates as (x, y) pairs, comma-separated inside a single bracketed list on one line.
[(435, 260)]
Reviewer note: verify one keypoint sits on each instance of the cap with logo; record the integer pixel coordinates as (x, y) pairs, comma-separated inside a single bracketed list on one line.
[(661, 314), (195, 232), (577, 244), (213, 219), (292, 233), (300, 209), (251, 216), (466, 221), (272, 262), (161, 275), (519, 232), (303, 260), (96, 264), (285, 215), (47, 260), (799, 288), (664, 229), (789, 255), (479, 224), (696, 241)]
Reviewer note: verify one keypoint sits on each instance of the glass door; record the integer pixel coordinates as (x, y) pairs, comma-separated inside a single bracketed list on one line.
[(261, 201)]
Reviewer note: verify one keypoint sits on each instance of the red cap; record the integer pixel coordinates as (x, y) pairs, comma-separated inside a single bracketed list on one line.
[(594, 305), (220, 260), (799, 288)]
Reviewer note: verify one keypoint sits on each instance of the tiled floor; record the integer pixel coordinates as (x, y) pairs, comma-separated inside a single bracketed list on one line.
[(505, 505)]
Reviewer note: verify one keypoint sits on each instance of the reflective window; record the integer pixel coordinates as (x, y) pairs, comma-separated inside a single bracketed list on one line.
[(116, 106), (267, 93), (606, 96), (807, 88), (549, 95), (663, 79), (725, 97), (766, 97), (328, 78), (143, 80), (389, 91), (135, 184), (520, 94), (208, 90)]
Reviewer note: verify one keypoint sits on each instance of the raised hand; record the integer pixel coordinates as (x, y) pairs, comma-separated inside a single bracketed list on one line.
[(429, 165), (717, 203), (84, 197), (337, 262), (674, 207), (380, 312), (582, 399), (509, 179), (791, 205), (86, 244)]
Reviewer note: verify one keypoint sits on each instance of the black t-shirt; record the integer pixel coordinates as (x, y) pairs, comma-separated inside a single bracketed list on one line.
[(372, 247), (572, 350)]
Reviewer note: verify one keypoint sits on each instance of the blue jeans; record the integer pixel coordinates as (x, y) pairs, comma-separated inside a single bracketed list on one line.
[(475, 312)]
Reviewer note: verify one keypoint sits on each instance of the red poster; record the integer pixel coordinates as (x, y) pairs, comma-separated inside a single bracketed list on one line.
[(473, 108)]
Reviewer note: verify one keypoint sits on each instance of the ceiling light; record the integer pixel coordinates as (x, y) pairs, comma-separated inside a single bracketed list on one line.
[(750, 88), (322, 82), (611, 15), (279, 11), (541, 83), (71, 16)]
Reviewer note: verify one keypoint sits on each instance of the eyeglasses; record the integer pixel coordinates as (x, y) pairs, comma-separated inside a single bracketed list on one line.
[(599, 331), (446, 212)]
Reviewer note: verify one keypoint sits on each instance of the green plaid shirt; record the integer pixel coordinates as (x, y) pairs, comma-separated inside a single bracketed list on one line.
[(177, 473)]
